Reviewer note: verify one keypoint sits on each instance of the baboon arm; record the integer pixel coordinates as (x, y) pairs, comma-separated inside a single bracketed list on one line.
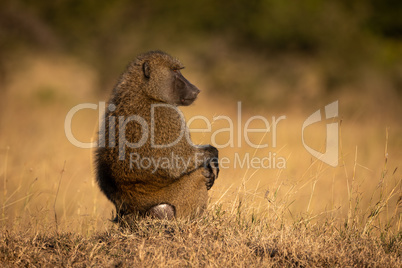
[(184, 162), (173, 164)]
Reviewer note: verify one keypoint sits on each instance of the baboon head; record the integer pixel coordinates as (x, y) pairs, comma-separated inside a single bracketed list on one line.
[(163, 81)]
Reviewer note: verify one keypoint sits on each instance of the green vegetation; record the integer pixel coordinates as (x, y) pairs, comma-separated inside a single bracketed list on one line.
[(341, 38)]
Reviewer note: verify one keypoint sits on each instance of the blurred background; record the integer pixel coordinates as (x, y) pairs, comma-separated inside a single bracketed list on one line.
[(276, 57)]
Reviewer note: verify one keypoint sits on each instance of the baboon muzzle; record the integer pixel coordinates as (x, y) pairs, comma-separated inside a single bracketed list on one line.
[(188, 91)]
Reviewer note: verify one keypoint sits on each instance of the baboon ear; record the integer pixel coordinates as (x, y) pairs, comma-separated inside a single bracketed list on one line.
[(146, 69)]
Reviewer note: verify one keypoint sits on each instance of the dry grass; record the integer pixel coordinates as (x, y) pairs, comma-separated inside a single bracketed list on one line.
[(219, 239), (308, 214)]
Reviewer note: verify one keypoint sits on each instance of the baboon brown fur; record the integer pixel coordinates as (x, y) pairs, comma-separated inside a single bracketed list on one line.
[(141, 114)]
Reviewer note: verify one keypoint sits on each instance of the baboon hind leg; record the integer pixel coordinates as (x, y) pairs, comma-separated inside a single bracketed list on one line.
[(185, 198)]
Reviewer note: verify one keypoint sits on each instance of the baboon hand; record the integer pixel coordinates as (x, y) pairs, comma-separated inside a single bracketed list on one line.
[(210, 172), (211, 166), (209, 151)]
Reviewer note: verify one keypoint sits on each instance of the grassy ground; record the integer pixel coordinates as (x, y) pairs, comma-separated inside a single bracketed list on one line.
[(307, 214), (219, 239)]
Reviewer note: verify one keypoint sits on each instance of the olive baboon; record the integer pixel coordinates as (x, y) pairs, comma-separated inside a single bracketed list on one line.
[(146, 162)]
